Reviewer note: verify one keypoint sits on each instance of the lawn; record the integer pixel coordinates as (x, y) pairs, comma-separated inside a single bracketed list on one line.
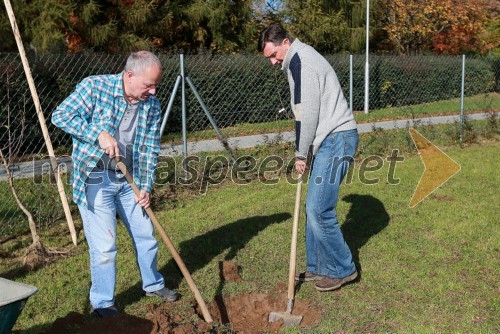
[(472, 104), (433, 268)]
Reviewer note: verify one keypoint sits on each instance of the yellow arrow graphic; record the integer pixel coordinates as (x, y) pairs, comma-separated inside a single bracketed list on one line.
[(439, 167)]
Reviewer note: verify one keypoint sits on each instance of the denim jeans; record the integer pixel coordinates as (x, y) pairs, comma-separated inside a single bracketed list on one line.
[(109, 194), (327, 252)]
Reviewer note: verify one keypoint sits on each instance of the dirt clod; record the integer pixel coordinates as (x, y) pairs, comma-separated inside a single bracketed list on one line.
[(229, 271)]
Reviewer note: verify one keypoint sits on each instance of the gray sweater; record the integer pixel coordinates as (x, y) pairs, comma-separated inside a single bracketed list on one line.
[(317, 100)]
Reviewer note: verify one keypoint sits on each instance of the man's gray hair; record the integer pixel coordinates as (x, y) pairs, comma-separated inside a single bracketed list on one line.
[(140, 61)]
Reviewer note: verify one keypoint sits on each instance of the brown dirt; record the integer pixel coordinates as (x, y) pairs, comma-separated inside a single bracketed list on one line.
[(229, 271), (246, 313), (37, 255)]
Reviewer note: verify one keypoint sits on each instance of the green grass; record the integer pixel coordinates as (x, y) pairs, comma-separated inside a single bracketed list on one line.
[(243, 129), (433, 268), (477, 103)]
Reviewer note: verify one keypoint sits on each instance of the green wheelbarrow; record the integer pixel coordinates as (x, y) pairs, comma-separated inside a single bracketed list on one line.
[(13, 297)]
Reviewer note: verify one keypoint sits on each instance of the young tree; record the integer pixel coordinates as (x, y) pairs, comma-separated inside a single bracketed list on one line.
[(15, 139), (13, 125)]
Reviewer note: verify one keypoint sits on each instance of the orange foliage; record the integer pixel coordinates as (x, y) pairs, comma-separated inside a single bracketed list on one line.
[(440, 26)]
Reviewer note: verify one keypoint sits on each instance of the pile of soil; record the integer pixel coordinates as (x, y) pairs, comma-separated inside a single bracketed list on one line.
[(244, 313)]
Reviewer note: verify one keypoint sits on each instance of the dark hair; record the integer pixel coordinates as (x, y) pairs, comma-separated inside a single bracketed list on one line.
[(274, 33)]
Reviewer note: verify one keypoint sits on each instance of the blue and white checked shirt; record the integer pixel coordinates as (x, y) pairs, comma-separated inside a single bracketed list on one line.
[(96, 105)]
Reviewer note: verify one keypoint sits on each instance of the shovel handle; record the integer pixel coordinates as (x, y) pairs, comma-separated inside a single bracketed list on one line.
[(293, 246), (170, 246)]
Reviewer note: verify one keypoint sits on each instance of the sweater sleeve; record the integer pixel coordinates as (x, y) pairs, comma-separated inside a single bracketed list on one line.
[(306, 100)]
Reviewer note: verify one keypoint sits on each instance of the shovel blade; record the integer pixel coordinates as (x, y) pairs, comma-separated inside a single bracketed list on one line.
[(287, 317)]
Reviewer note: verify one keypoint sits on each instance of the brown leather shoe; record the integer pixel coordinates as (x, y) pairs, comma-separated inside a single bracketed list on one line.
[(307, 277), (329, 284)]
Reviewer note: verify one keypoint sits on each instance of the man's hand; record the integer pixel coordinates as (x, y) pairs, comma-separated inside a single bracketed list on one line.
[(109, 145), (300, 165), (143, 199)]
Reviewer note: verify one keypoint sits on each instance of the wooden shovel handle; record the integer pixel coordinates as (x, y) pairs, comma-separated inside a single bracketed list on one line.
[(170, 246), (293, 246)]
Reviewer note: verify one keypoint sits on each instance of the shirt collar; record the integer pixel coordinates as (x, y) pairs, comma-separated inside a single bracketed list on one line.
[(294, 47), (118, 85)]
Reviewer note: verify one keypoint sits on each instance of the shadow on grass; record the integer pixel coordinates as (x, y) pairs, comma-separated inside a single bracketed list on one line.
[(75, 322), (199, 251), (366, 218), (15, 273)]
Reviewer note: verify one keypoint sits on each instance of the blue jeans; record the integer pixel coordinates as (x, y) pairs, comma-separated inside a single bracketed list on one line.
[(108, 193), (327, 252)]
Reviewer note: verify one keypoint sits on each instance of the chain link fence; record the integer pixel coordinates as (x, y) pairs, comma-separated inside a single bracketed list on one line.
[(238, 90)]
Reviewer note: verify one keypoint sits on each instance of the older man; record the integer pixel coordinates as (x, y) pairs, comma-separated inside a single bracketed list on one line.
[(112, 117)]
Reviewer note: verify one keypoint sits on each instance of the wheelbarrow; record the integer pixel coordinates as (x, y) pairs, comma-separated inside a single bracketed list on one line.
[(13, 297)]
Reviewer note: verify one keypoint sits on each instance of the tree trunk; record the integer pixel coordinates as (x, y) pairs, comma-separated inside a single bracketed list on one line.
[(31, 221)]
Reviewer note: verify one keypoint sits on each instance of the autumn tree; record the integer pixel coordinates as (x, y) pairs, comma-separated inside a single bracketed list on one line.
[(439, 26), (491, 35)]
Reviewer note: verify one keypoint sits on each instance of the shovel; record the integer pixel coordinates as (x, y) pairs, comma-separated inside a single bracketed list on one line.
[(287, 317), (170, 246)]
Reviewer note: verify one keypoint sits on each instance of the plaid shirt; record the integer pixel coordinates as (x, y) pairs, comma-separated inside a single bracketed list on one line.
[(96, 105)]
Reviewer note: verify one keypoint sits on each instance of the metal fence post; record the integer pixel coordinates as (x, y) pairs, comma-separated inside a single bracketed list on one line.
[(184, 126), (350, 82), (170, 104), (222, 139), (462, 93), (367, 62)]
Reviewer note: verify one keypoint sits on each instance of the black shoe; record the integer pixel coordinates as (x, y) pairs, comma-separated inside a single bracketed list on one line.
[(164, 294), (106, 312)]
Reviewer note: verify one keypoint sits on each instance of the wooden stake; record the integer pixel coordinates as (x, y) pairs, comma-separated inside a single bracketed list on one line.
[(41, 119)]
